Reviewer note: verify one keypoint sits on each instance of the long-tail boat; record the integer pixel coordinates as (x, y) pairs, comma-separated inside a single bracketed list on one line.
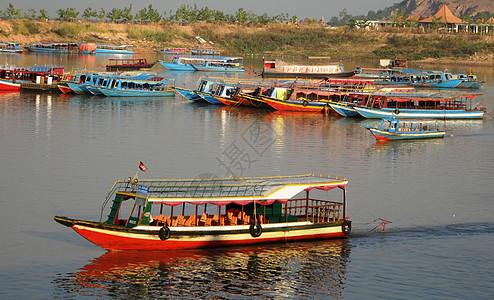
[(167, 214)]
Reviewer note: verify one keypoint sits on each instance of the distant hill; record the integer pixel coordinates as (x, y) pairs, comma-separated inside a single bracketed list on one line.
[(459, 8)]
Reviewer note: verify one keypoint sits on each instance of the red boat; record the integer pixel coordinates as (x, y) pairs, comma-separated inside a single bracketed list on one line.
[(161, 214), (11, 77), (127, 64)]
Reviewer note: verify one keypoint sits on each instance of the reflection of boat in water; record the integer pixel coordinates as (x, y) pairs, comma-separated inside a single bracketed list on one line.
[(242, 211), (283, 270)]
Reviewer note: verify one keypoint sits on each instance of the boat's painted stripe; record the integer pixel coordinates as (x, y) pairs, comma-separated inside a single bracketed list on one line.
[(114, 240), (385, 135)]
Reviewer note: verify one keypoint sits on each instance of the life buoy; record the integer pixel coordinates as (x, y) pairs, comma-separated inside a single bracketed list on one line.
[(346, 227), (305, 103), (255, 230), (164, 233), (397, 111)]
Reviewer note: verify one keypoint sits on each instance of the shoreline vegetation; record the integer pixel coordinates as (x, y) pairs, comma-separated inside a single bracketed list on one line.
[(335, 43)]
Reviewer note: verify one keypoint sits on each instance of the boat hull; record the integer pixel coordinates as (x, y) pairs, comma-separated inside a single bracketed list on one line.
[(297, 105), (383, 135), (344, 110), (147, 237), (9, 85), (135, 93)]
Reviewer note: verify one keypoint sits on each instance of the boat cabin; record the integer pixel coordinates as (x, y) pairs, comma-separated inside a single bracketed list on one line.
[(394, 125), (223, 202)]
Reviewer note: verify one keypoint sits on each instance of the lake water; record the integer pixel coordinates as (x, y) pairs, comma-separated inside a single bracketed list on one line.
[(61, 153)]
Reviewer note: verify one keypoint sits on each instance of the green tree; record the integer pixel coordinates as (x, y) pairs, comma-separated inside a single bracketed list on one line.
[(126, 13), (12, 13), (241, 15), (153, 15), (31, 14), (89, 13), (142, 15), (67, 14), (43, 15), (101, 14), (114, 14)]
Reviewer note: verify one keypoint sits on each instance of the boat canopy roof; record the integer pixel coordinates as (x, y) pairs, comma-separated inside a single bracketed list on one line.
[(424, 96), (222, 191)]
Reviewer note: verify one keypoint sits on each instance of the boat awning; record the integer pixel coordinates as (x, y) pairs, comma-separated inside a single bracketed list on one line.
[(223, 191)]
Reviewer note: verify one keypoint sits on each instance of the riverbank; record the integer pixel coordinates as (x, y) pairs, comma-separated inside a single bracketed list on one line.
[(243, 39)]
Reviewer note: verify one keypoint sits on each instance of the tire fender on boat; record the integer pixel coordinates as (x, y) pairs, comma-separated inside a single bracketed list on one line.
[(397, 111), (255, 230), (164, 233), (305, 103), (346, 227)]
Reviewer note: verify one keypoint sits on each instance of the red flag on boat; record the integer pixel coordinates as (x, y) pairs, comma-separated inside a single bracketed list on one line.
[(142, 167)]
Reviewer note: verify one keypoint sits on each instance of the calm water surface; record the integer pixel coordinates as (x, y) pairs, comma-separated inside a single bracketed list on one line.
[(61, 153)]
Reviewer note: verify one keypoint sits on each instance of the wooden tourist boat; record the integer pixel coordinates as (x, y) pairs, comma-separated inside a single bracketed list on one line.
[(127, 64), (168, 50), (392, 129), (193, 63), (418, 105), (199, 50), (279, 68), (11, 47), (11, 77), (81, 81), (114, 49), (205, 213), (419, 78), (230, 64), (55, 48), (123, 87)]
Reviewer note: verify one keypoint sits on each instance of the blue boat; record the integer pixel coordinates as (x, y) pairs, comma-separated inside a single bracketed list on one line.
[(192, 63), (392, 129), (114, 49), (11, 47), (229, 64), (344, 109), (119, 87), (205, 85), (199, 50), (418, 78), (79, 84), (55, 48)]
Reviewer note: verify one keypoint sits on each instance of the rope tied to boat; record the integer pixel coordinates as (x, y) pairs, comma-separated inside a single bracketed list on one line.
[(383, 224)]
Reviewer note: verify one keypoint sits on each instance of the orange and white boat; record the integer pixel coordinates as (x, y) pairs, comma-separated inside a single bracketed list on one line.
[(167, 214)]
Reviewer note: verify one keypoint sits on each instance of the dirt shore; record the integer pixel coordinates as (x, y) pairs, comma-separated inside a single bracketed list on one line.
[(174, 35)]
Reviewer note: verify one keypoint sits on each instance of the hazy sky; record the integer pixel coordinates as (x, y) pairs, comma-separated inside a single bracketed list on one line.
[(300, 8)]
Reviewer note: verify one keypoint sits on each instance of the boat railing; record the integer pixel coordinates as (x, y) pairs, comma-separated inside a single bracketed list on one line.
[(314, 210)]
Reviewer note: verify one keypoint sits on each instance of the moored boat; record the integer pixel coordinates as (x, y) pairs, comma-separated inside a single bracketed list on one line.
[(11, 47), (168, 50), (127, 64), (278, 68), (200, 50), (55, 48), (392, 129), (122, 87), (241, 211), (11, 77), (429, 105), (114, 49)]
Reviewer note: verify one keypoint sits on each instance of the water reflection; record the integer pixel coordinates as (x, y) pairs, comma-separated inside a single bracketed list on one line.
[(315, 269)]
